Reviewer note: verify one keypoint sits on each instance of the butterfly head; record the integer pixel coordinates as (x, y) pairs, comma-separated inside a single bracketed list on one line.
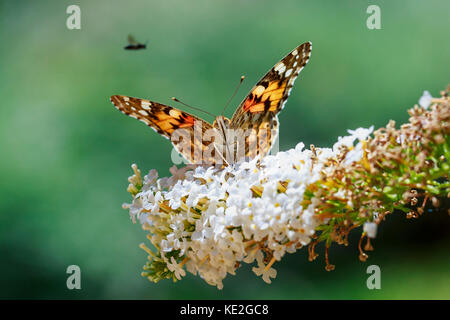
[(221, 123)]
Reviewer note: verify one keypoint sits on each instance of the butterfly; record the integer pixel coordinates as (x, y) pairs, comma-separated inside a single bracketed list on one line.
[(249, 133), (133, 44)]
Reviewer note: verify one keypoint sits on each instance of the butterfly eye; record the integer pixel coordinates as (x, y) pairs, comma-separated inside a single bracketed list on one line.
[(226, 122)]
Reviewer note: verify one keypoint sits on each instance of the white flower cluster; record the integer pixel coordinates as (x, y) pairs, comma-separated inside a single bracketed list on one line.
[(425, 99), (210, 220)]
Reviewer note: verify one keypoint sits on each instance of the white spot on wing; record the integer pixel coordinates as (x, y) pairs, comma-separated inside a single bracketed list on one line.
[(280, 67), (145, 105), (143, 120), (288, 73)]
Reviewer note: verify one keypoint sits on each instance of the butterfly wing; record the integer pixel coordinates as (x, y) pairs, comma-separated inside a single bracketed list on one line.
[(185, 131), (258, 112)]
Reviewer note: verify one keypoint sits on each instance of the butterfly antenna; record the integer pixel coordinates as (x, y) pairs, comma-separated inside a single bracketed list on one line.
[(234, 93), (198, 109), (220, 154)]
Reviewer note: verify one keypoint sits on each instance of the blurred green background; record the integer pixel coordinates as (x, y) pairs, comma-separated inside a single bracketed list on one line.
[(66, 152)]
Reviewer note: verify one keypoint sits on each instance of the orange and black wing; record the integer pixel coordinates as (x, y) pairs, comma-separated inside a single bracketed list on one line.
[(259, 109), (184, 130)]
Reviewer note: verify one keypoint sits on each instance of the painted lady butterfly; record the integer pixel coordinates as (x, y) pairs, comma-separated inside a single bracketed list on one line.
[(250, 132)]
